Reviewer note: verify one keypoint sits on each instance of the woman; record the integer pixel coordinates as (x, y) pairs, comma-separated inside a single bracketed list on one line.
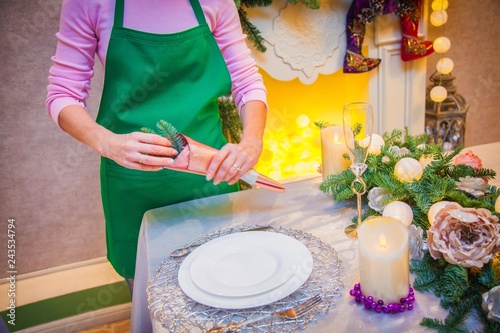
[(167, 60)]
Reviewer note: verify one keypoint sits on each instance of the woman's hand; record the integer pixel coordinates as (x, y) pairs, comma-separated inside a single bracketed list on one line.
[(140, 151), (233, 161)]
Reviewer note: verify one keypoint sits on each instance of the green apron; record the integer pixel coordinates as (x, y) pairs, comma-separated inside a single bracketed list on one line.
[(176, 77)]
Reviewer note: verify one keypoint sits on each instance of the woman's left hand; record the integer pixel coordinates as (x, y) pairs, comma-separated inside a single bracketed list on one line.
[(233, 161)]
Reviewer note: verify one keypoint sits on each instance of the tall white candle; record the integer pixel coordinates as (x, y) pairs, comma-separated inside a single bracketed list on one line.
[(384, 259), (332, 148)]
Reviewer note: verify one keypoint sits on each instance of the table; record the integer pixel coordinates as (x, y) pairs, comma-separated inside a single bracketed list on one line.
[(303, 206)]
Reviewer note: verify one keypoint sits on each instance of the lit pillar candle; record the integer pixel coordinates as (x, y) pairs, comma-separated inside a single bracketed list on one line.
[(384, 259), (332, 148)]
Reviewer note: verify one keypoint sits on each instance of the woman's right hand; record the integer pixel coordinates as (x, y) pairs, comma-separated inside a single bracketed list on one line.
[(137, 150), (140, 151)]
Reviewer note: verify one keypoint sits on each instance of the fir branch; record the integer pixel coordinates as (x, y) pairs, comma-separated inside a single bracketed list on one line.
[(322, 124), (453, 284), (252, 32), (168, 131), (489, 276), (427, 272), (231, 122), (312, 4), (254, 3)]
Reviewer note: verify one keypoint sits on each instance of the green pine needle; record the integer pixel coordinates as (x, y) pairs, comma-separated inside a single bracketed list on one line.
[(168, 131)]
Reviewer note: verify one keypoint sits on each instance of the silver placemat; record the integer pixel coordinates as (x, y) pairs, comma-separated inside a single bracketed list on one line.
[(180, 314)]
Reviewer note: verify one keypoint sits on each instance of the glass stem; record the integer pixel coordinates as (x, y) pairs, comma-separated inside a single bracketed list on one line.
[(358, 169), (359, 210)]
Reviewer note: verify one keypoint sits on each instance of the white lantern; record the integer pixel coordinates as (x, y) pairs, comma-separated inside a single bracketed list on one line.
[(400, 211), (444, 65), (439, 4), (408, 169), (439, 17), (438, 94), (441, 44)]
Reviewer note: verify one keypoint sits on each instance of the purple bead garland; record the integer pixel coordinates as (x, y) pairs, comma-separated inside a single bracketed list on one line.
[(405, 303)]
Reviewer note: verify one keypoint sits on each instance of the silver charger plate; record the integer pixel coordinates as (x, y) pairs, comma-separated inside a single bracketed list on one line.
[(180, 314)]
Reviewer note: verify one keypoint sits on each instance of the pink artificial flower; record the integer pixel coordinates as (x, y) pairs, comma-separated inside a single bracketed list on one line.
[(470, 159)]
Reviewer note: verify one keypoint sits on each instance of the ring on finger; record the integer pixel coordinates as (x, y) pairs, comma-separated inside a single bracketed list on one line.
[(140, 158), (236, 167)]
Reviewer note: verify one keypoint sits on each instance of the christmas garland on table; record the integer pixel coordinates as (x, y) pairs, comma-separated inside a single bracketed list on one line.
[(464, 285)]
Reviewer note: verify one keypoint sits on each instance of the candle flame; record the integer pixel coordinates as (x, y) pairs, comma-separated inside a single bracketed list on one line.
[(336, 138), (382, 241)]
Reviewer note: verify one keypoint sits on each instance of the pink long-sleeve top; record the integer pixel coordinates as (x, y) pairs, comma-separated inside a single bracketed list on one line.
[(85, 28)]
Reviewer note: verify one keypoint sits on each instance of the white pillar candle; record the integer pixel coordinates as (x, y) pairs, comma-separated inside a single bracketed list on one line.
[(384, 259), (332, 148)]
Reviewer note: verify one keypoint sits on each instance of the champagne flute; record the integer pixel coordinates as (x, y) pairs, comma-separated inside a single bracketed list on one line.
[(358, 127)]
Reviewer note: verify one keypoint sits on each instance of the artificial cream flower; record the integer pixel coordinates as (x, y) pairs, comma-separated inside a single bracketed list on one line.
[(375, 197), (468, 237), (491, 303), (416, 238)]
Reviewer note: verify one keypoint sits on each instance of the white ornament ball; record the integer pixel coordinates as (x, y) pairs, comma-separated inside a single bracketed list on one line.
[(444, 65), (441, 44), (408, 169), (439, 4), (497, 204), (400, 211), (435, 208), (438, 94), (376, 144), (439, 17)]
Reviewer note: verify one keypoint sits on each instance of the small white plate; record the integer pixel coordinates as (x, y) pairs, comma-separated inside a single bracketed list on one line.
[(244, 264), (293, 267)]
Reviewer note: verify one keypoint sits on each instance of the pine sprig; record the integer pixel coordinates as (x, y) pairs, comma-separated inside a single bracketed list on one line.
[(252, 32), (168, 131), (231, 122)]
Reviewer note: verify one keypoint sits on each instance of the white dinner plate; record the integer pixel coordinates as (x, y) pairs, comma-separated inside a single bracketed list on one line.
[(244, 264), (281, 270)]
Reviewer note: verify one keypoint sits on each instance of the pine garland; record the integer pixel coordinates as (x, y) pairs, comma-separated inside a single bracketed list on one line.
[(459, 289)]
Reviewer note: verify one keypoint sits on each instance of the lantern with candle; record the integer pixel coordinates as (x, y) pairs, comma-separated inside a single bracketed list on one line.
[(445, 109)]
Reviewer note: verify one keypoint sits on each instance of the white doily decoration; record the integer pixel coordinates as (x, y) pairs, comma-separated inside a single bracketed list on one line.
[(301, 42)]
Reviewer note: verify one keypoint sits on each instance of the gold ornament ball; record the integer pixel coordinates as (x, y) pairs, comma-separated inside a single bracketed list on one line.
[(408, 169), (400, 211), (441, 44), (497, 204), (425, 160), (444, 65), (439, 17), (439, 4)]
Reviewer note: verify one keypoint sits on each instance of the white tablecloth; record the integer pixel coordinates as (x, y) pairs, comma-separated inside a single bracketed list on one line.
[(303, 206)]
